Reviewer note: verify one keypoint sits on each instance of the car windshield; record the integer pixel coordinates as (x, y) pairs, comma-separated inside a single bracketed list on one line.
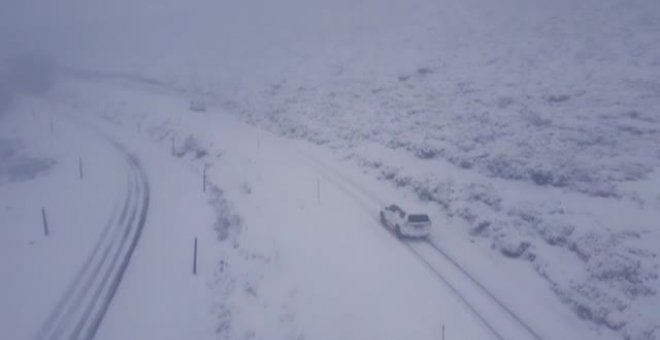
[(418, 218)]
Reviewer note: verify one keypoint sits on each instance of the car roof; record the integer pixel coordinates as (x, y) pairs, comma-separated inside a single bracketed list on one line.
[(419, 218)]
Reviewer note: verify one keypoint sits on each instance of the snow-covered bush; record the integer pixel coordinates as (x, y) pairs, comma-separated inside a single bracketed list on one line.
[(15, 166), (555, 231), (228, 224), (485, 194), (511, 244), (505, 166)]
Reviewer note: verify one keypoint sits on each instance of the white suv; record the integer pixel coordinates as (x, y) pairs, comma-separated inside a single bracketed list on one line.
[(403, 224)]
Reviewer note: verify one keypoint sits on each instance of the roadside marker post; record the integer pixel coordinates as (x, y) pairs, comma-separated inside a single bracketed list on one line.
[(204, 178), (45, 220), (195, 258), (80, 167)]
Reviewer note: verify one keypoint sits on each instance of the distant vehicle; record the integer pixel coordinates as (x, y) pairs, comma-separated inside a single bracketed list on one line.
[(403, 224), (198, 105)]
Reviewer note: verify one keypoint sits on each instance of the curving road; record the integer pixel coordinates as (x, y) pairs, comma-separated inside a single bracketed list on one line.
[(80, 311), (500, 320)]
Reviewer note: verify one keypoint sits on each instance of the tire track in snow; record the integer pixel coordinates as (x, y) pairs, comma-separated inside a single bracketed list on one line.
[(484, 289), (80, 311), (362, 195)]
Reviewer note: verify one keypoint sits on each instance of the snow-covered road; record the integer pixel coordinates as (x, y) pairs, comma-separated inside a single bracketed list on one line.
[(493, 314), (83, 306)]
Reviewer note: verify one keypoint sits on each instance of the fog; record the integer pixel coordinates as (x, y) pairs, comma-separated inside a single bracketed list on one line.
[(276, 131), (257, 41), (224, 38)]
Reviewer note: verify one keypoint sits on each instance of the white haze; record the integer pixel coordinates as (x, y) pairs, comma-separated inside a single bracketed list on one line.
[(527, 128), (223, 41)]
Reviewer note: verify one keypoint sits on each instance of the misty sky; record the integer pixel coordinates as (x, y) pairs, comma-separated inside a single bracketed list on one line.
[(129, 33), (244, 39)]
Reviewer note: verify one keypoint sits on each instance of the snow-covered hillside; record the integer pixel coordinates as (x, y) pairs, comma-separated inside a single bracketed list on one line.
[(529, 130), (534, 126)]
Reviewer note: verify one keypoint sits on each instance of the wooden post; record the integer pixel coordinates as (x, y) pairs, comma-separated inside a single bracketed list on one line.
[(204, 178), (195, 258), (172, 146), (45, 220), (443, 331), (80, 167)]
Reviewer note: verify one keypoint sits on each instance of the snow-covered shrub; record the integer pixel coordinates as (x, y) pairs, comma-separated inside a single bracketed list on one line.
[(427, 152), (591, 301), (555, 231), (424, 189), (590, 243), (228, 224), (615, 319), (536, 119), (423, 71), (403, 181), (619, 269), (557, 98), (629, 171), (483, 193), (597, 189), (389, 173), (466, 213), (15, 166), (403, 77), (631, 129), (26, 168), (504, 102), (505, 166), (525, 212), (191, 146), (480, 228), (511, 246), (542, 176), (443, 192), (374, 164)]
